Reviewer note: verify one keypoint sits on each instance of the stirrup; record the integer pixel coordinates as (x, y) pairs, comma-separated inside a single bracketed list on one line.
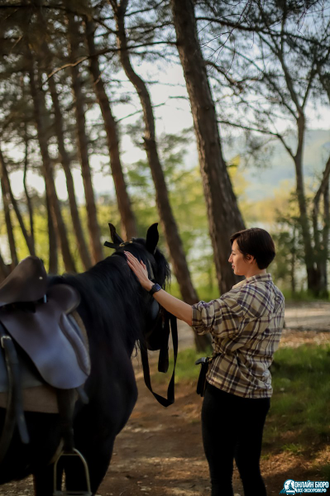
[(58, 491)]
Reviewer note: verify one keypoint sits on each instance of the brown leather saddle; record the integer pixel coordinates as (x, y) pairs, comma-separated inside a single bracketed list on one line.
[(44, 329), (41, 344)]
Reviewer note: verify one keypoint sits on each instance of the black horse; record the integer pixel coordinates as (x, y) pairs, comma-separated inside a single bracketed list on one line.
[(117, 312)]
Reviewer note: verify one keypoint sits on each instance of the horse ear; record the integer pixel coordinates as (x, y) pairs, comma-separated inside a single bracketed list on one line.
[(114, 236), (152, 238)]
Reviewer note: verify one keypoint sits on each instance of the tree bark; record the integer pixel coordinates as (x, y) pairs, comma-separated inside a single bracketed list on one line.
[(173, 239), (309, 253), (325, 239), (180, 267), (12, 199), (6, 208), (123, 200), (223, 213), (27, 195), (66, 164), (52, 238), (92, 222), (54, 204), (46, 62), (4, 269)]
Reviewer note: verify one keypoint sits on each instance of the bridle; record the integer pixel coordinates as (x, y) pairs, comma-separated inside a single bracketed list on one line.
[(169, 326)]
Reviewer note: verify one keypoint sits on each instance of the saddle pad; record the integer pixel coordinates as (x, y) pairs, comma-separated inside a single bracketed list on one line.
[(48, 338), (36, 399), (30, 376)]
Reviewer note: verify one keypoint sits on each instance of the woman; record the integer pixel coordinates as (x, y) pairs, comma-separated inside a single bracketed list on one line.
[(246, 325)]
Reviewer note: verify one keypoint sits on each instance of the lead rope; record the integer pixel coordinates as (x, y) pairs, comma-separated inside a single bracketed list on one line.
[(171, 322)]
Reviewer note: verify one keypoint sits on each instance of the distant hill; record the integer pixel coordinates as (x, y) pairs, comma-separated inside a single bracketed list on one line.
[(262, 181)]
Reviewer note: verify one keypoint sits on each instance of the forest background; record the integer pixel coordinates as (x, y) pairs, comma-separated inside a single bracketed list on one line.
[(207, 116)]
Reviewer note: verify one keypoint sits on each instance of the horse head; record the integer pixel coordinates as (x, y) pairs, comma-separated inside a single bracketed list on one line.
[(158, 271), (157, 266)]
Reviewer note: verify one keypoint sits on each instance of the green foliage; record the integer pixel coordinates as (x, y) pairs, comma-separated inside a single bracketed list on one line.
[(300, 404)]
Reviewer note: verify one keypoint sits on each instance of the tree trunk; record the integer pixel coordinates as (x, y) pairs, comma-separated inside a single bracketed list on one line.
[(124, 204), (322, 247), (325, 238), (174, 242), (223, 213), (313, 273), (65, 160), (6, 208), (93, 225), (180, 267), (293, 264), (27, 195), (54, 204), (4, 269), (46, 62), (12, 199), (52, 238)]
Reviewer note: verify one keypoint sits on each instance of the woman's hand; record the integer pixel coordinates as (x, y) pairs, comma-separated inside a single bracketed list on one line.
[(140, 270), (175, 306)]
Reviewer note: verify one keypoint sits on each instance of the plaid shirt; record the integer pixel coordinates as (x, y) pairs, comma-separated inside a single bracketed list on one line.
[(246, 325)]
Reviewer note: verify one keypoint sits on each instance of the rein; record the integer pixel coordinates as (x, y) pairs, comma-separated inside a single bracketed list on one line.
[(169, 323), (170, 326)]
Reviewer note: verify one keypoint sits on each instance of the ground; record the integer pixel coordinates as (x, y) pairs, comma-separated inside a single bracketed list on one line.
[(160, 450)]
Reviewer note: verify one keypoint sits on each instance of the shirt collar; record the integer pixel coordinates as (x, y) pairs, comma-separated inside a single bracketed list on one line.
[(258, 278)]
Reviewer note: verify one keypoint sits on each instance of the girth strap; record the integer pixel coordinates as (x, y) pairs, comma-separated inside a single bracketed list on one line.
[(14, 412), (171, 322)]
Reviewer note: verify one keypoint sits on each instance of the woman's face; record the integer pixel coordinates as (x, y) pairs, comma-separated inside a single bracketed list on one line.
[(241, 266)]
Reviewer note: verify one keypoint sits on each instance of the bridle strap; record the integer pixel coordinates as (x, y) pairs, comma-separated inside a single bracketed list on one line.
[(14, 412), (169, 400)]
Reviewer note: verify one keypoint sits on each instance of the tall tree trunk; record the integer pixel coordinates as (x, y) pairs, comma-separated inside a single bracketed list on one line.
[(54, 204), (93, 226), (124, 204), (223, 213), (12, 199), (46, 62), (173, 239), (27, 195), (4, 269), (310, 253), (6, 208), (293, 264), (52, 238), (322, 247), (65, 160), (325, 237)]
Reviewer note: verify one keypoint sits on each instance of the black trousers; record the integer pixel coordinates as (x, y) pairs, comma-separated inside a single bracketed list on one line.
[(232, 429)]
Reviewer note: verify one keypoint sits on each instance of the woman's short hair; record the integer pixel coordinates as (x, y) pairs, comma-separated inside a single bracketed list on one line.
[(256, 242)]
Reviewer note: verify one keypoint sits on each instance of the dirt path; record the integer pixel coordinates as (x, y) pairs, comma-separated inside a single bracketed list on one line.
[(160, 450)]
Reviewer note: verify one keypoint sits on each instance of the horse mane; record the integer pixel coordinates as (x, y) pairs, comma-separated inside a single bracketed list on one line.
[(112, 299)]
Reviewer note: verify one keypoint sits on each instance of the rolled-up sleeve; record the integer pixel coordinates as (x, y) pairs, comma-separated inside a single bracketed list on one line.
[(217, 315), (203, 317)]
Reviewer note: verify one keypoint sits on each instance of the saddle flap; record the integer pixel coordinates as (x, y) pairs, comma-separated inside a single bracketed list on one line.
[(26, 283), (47, 338)]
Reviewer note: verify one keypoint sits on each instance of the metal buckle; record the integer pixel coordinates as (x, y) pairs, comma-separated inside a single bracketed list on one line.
[(2, 340)]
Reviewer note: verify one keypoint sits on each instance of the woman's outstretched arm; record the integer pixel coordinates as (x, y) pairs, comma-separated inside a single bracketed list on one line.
[(176, 307)]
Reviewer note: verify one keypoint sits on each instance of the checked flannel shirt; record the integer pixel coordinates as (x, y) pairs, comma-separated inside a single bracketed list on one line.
[(246, 325)]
